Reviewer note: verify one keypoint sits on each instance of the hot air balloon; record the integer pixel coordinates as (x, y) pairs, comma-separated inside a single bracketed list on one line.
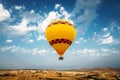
[(60, 35)]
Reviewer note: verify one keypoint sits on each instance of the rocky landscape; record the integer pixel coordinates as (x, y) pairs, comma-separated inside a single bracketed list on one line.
[(82, 74)]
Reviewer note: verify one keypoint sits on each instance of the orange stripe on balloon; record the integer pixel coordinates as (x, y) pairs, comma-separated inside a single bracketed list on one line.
[(56, 41)]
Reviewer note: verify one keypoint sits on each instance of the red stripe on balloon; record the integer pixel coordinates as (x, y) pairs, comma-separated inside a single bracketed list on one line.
[(56, 41)]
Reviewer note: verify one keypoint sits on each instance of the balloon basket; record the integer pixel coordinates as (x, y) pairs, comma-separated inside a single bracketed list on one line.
[(60, 58)]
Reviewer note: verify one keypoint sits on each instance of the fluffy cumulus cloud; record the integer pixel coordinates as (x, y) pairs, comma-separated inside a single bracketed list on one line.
[(58, 13), (27, 23), (32, 21), (4, 13), (21, 28), (51, 16), (86, 13), (31, 16)]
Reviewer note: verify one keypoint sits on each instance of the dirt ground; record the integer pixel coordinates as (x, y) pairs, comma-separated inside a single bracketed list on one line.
[(82, 74)]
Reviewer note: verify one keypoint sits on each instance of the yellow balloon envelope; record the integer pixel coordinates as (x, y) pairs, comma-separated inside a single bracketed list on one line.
[(60, 35)]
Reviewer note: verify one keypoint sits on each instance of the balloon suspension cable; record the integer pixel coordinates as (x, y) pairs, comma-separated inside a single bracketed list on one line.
[(60, 58)]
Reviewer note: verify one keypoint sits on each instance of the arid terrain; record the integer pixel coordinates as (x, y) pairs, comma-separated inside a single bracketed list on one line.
[(82, 74)]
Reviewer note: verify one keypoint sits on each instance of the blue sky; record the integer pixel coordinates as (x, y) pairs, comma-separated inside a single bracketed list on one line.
[(22, 34)]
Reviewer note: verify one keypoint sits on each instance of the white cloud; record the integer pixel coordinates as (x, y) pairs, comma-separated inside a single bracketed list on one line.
[(104, 49), (93, 52), (85, 52), (18, 7), (108, 51), (4, 13), (31, 16), (105, 29), (51, 16), (64, 13), (41, 37), (30, 41), (32, 11), (29, 23), (21, 28), (81, 40), (17, 50), (77, 42), (61, 13), (9, 41), (43, 52), (107, 40), (32, 21), (107, 35), (41, 21), (57, 6)]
